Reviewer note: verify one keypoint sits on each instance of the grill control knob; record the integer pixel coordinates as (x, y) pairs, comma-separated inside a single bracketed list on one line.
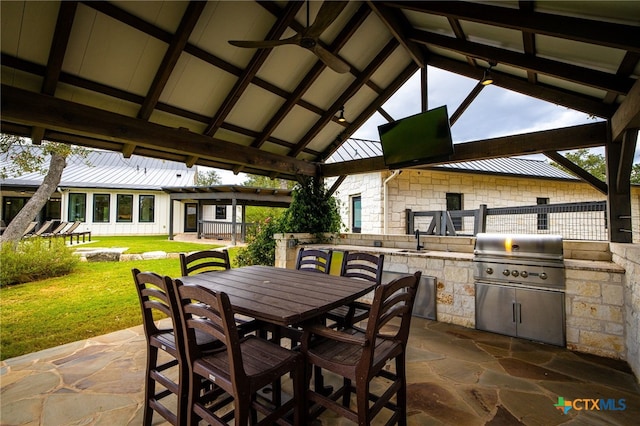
[(489, 271), (515, 273), (524, 274), (506, 272), (543, 275)]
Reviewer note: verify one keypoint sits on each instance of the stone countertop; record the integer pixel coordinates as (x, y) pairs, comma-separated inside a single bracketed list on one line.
[(574, 264)]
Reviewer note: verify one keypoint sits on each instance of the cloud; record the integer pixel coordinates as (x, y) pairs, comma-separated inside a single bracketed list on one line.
[(495, 112)]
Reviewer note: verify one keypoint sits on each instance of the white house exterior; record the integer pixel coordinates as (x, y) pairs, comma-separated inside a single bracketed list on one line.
[(112, 195)]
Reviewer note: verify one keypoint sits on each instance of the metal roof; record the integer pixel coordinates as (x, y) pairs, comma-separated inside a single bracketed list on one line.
[(354, 149), (160, 78), (110, 170)]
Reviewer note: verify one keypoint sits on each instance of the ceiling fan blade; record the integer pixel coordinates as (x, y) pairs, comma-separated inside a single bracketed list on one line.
[(331, 60), (259, 44), (264, 44), (328, 12)]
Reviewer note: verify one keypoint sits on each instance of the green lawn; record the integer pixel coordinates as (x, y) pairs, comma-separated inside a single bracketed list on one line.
[(146, 243), (97, 298)]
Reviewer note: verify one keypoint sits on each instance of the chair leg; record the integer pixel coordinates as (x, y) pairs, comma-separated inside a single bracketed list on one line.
[(299, 393), (401, 397), (150, 385), (346, 396), (362, 392)]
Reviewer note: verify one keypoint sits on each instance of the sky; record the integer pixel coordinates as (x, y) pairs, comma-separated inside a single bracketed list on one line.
[(495, 112)]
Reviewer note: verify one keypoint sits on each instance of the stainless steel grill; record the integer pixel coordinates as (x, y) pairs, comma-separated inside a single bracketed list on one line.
[(520, 282), (520, 259)]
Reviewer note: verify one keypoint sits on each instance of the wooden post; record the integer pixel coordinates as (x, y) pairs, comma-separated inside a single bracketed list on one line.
[(619, 159)]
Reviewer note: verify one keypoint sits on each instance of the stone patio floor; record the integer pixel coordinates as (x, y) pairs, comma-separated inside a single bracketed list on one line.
[(456, 376)]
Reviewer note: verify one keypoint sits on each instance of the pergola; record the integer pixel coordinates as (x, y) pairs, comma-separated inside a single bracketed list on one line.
[(232, 195), (161, 79)]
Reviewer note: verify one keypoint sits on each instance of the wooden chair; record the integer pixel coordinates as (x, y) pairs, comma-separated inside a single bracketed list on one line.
[(203, 261), (154, 294), (214, 260), (363, 266), (245, 365), (359, 357), (314, 260)]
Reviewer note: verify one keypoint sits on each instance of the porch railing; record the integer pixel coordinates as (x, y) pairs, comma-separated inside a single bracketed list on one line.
[(574, 221), (218, 230)]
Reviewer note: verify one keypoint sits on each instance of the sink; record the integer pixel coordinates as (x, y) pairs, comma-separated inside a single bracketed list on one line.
[(411, 251)]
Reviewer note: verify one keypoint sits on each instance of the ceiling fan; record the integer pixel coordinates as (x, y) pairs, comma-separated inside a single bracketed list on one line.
[(309, 37)]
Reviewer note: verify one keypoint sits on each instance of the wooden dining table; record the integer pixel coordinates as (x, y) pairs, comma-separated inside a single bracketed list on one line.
[(281, 296)]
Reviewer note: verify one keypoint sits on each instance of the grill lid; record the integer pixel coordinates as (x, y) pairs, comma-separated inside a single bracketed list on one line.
[(519, 247)]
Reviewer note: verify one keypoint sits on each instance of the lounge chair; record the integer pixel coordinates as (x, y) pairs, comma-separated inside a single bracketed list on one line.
[(57, 230), (44, 228), (30, 229)]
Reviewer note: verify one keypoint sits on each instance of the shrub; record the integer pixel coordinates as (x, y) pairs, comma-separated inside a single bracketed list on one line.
[(261, 247), (35, 259)]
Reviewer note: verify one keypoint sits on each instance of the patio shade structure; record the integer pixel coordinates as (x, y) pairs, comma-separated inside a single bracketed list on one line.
[(160, 78)]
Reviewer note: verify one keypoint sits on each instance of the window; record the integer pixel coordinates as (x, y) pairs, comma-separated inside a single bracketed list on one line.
[(147, 206), (454, 202), (77, 207), (543, 218), (221, 212), (101, 207), (11, 207), (125, 208), (356, 214), (52, 209)]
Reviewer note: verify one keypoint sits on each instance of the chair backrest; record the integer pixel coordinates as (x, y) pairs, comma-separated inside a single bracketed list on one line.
[(314, 260), (152, 293), (392, 300), (59, 228), (204, 261), (71, 228), (30, 228), (365, 266), (211, 313), (44, 228)]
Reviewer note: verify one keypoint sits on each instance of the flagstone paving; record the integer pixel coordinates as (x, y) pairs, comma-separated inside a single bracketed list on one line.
[(456, 376)]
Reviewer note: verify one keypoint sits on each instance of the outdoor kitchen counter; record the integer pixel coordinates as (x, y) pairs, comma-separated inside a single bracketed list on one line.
[(573, 264), (594, 293)]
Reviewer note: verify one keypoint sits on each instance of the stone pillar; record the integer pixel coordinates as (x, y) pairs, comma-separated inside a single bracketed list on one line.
[(287, 246)]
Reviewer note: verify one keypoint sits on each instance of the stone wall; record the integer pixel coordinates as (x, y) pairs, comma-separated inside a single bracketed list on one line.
[(628, 256), (422, 190)]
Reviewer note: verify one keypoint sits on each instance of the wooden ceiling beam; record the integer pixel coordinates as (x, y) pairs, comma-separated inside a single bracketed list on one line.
[(33, 109), (565, 71), (584, 136), (171, 56), (609, 34), (356, 21), (466, 102), (59, 42), (626, 68), (627, 116), (578, 171), (374, 106), (397, 25), (571, 100), (366, 74), (252, 68)]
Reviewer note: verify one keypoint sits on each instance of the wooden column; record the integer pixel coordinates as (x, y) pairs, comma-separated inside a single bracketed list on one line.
[(619, 157)]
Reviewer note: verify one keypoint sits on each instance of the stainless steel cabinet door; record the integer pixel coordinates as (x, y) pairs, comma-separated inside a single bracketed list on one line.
[(540, 316), (495, 308)]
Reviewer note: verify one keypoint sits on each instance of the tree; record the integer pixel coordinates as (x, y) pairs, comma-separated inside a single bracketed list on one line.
[(596, 164), (266, 182), (207, 178), (24, 159), (313, 210)]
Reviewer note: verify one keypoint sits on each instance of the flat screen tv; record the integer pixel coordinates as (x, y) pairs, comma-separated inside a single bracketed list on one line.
[(419, 139)]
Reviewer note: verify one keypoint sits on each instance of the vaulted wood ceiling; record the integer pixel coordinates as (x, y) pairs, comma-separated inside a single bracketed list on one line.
[(159, 78)]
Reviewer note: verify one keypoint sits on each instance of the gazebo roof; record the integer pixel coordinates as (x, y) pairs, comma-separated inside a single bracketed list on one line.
[(160, 79)]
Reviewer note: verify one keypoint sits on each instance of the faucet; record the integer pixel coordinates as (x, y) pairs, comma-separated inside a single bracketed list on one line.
[(418, 247)]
